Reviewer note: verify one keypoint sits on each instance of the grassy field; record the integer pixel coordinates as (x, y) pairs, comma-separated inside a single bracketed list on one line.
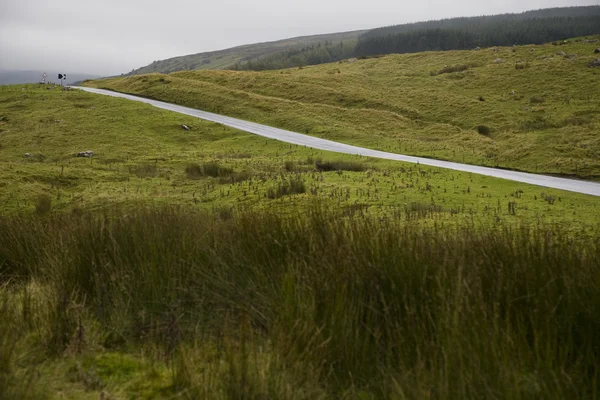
[(168, 303), (210, 263), (142, 155), (528, 108)]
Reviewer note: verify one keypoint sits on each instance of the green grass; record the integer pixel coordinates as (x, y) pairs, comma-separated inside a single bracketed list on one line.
[(215, 264), (142, 154), (163, 302), (405, 104)]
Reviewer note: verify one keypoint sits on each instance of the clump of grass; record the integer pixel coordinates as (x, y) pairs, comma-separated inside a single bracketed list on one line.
[(483, 130), (452, 69), (326, 166), (521, 66), (144, 170), (212, 169), (287, 187), (537, 100), (43, 204)]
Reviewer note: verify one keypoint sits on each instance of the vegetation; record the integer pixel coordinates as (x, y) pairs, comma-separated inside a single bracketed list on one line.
[(163, 302), (533, 27), (402, 104), (211, 263), (259, 54)]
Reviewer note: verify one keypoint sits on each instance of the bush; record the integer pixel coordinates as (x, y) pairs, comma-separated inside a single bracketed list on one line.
[(483, 130)]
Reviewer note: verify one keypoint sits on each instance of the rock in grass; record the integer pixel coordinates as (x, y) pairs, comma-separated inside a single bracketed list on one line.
[(185, 127), (597, 50), (498, 60), (86, 154), (595, 63), (561, 53), (28, 155)]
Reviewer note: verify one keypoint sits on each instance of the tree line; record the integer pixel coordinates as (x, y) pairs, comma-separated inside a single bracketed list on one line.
[(532, 27)]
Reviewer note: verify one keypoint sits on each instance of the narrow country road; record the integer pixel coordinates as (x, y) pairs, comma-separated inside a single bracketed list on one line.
[(572, 185)]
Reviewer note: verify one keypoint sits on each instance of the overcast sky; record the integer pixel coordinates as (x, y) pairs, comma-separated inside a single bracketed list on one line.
[(115, 36)]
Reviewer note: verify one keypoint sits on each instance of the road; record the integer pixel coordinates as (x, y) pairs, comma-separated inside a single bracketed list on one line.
[(571, 185)]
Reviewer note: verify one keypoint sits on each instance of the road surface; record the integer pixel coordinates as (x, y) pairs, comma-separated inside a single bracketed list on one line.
[(572, 185)]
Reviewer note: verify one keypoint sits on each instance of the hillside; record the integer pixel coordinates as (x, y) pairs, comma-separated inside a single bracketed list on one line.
[(213, 264), (224, 59), (531, 27), (531, 108)]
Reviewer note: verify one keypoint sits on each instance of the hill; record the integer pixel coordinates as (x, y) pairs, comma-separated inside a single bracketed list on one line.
[(531, 108), (213, 264), (531, 27), (224, 59)]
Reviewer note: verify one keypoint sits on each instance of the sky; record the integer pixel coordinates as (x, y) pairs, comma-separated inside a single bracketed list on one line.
[(111, 37)]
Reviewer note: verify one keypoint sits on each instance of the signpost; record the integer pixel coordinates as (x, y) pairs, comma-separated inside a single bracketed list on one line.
[(62, 77)]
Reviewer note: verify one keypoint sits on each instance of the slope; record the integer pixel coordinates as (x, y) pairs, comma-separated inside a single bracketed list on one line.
[(530, 108)]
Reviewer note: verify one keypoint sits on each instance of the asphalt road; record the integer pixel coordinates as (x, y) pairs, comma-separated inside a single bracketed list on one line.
[(572, 185)]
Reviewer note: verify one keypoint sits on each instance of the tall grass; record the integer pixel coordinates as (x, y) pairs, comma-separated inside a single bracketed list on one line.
[(317, 306)]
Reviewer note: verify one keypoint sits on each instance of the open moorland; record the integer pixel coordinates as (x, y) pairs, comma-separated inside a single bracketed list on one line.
[(530, 108), (208, 263)]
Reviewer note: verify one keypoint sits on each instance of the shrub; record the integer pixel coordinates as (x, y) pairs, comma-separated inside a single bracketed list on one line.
[(481, 98), (289, 166), (483, 130)]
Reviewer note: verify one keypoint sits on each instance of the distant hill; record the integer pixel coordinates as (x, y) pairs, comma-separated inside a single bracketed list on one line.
[(17, 77), (531, 27), (228, 58)]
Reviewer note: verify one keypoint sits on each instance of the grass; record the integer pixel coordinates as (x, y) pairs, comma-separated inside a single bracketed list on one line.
[(400, 103), (142, 154), (215, 264), (165, 302)]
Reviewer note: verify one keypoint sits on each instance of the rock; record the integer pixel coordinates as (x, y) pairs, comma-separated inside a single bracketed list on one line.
[(498, 60), (477, 48), (352, 60), (590, 41), (86, 154), (571, 56), (561, 53), (185, 127), (595, 63), (597, 50), (495, 49), (513, 93), (531, 50), (28, 155)]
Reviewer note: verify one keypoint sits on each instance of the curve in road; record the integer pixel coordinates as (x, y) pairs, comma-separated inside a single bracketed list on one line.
[(572, 185)]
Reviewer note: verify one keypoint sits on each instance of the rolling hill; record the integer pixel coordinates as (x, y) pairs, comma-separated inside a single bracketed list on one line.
[(530, 108), (224, 59), (531, 27)]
